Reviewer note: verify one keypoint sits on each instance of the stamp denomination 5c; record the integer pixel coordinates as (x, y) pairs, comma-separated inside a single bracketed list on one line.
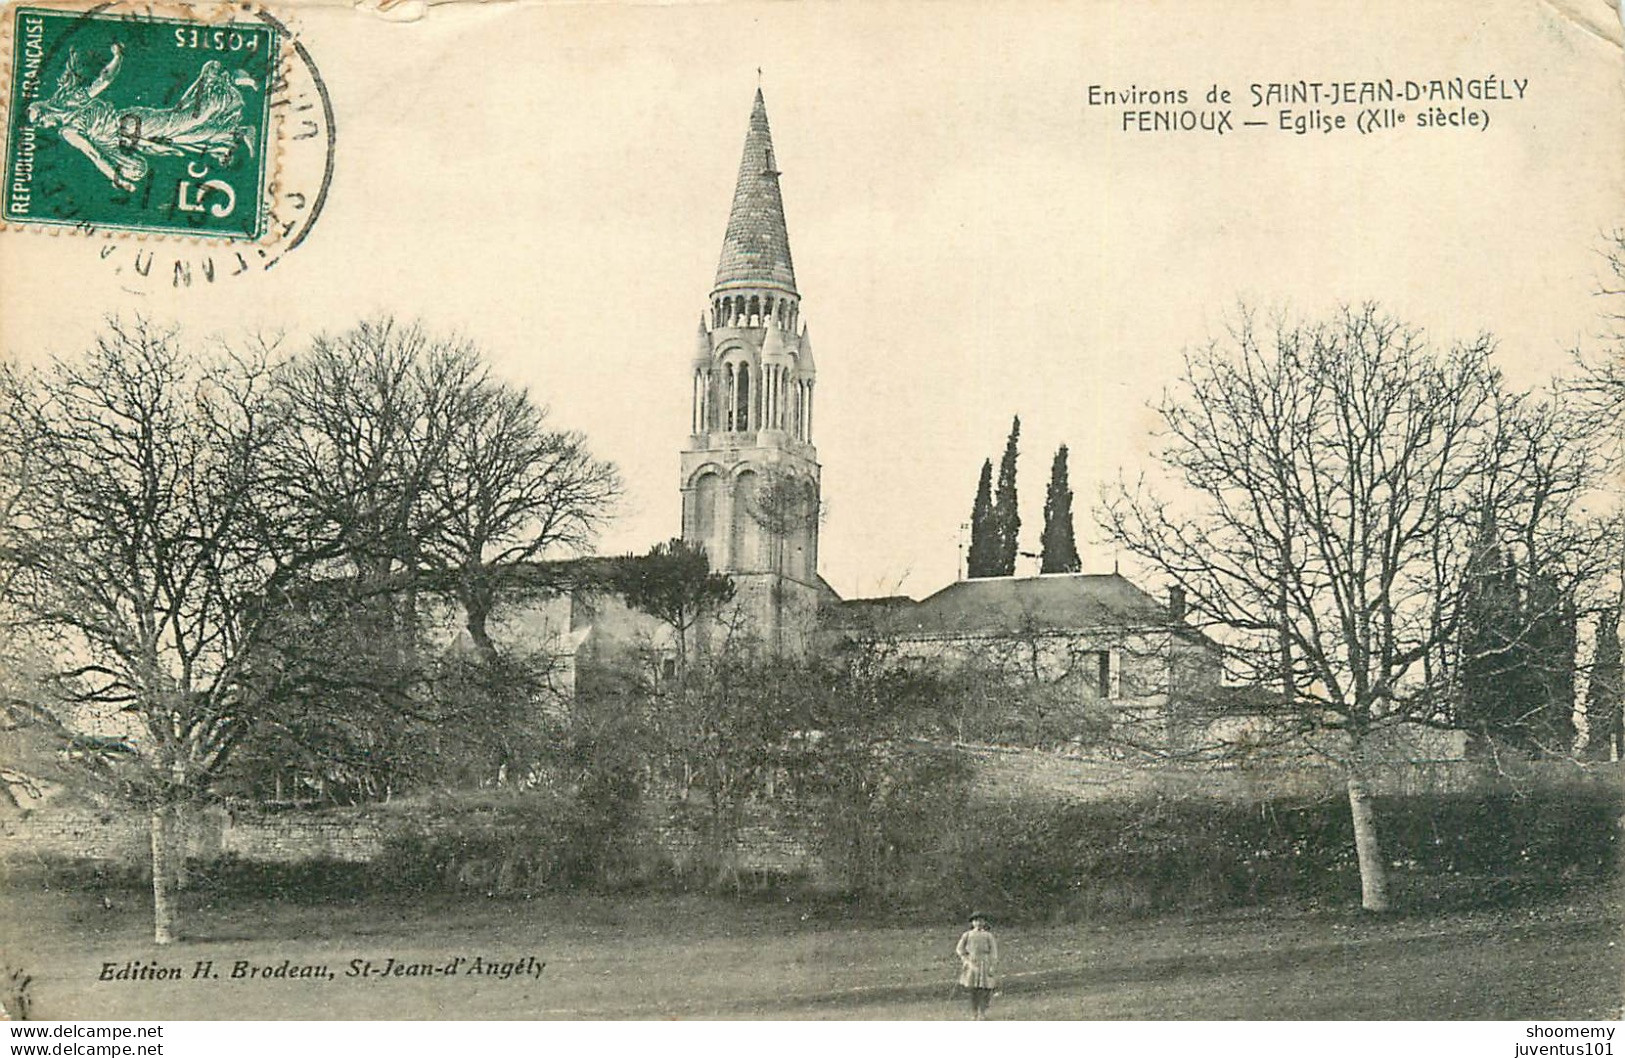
[(140, 123)]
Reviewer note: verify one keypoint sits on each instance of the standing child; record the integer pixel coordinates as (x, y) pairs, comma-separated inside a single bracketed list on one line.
[(979, 956)]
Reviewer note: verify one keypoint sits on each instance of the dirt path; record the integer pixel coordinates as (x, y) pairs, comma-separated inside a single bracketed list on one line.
[(657, 957)]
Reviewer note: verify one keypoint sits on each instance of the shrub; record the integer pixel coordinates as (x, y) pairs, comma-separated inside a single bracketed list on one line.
[(313, 881), (1159, 854), (78, 874), (496, 847), (883, 817), (523, 843)]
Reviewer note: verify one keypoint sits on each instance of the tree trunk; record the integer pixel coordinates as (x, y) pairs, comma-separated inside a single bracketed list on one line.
[(477, 613), (163, 910), (180, 868), (776, 595), (1373, 872)]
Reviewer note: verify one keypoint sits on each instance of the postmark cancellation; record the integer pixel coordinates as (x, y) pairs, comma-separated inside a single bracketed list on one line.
[(208, 123)]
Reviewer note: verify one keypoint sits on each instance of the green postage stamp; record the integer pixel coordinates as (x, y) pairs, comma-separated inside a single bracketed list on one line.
[(139, 123)]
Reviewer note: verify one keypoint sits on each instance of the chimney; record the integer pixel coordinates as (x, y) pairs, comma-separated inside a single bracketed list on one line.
[(1176, 605)]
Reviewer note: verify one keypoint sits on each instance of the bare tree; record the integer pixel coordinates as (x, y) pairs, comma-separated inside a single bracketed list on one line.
[(512, 491), (750, 734), (875, 793), (726, 720), (1032, 684), (1510, 660), (1600, 389), (373, 413), (344, 713), (212, 547), (429, 471), (1132, 691), (426, 475), (1602, 372), (140, 558), (1335, 478)]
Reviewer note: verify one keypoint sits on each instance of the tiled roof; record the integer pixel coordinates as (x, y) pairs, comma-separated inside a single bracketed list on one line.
[(756, 248), (1003, 605)]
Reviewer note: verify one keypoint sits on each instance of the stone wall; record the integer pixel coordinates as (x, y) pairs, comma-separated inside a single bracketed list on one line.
[(56, 831), (63, 832), (766, 848), (355, 835), (1018, 774), (122, 835), (348, 834)]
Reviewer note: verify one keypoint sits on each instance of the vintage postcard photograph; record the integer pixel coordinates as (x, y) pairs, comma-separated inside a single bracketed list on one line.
[(897, 511)]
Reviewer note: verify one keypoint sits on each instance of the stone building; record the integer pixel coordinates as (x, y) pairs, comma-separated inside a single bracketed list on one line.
[(750, 482), (1095, 649), (750, 474)]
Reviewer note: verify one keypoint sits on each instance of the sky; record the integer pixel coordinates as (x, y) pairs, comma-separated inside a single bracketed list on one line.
[(972, 239)]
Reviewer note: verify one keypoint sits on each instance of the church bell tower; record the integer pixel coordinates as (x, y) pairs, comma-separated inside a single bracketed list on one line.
[(749, 469)]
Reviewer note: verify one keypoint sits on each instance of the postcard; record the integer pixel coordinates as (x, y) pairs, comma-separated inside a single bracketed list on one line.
[(440, 581)]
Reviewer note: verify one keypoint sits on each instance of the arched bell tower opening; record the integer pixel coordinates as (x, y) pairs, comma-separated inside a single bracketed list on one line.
[(750, 475)]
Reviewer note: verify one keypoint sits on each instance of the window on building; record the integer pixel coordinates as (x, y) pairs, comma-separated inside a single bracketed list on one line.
[(1108, 674), (742, 408)]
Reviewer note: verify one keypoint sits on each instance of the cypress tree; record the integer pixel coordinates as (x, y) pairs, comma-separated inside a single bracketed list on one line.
[(1060, 548), (1551, 640), (1488, 664), (1006, 518), (979, 562), (1517, 649)]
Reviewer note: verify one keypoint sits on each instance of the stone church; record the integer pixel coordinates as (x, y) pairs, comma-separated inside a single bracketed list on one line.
[(750, 490)]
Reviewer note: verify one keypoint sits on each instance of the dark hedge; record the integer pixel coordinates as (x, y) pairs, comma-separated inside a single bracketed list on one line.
[(1161, 854)]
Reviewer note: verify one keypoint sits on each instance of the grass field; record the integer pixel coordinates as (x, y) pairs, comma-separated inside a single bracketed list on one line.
[(698, 958)]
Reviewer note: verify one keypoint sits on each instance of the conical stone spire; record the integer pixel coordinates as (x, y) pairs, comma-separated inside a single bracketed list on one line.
[(702, 344), (756, 248)]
